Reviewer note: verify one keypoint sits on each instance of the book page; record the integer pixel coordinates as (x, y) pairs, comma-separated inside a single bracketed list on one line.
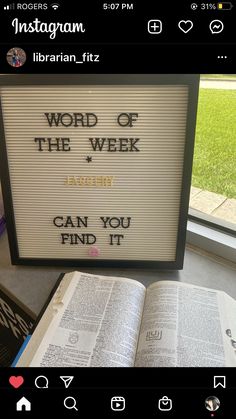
[(95, 324), (228, 322), (184, 325), (200, 328), (158, 335)]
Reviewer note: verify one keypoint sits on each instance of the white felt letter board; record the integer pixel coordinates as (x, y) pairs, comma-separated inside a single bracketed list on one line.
[(96, 169)]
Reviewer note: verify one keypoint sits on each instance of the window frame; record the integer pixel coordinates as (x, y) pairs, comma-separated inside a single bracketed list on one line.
[(211, 234)]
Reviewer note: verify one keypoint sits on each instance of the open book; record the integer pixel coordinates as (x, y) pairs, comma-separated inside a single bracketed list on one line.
[(98, 321)]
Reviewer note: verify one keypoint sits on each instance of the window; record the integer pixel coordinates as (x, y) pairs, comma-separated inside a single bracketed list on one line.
[(213, 191)]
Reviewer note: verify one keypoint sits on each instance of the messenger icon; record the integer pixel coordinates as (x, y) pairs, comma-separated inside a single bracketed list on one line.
[(216, 26)]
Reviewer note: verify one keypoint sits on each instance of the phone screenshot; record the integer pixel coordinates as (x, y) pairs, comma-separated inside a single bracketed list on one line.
[(118, 209)]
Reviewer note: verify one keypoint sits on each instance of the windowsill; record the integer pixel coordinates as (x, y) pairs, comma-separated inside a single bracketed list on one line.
[(219, 240), (220, 208), (32, 285)]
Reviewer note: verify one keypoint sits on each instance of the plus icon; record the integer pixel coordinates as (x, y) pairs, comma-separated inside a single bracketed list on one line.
[(155, 26)]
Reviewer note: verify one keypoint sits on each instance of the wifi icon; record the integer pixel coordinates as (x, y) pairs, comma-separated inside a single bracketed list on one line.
[(55, 6)]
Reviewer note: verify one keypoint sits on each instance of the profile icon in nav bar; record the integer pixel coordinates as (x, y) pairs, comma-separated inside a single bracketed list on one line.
[(212, 403)]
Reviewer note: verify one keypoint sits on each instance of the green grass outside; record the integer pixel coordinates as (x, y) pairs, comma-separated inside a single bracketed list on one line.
[(214, 166), (219, 76)]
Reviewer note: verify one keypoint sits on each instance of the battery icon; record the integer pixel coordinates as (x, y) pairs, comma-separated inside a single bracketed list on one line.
[(226, 5)]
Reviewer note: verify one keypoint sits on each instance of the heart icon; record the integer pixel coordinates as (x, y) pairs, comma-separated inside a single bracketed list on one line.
[(16, 382), (185, 25)]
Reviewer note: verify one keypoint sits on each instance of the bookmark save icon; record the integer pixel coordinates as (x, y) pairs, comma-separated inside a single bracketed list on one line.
[(67, 379)]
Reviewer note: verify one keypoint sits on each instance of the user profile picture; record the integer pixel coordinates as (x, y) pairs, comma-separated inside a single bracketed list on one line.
[(16, 57), (212, 403)]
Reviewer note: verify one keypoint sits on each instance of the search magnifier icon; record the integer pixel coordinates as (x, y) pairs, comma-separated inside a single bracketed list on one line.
[(70, 403)]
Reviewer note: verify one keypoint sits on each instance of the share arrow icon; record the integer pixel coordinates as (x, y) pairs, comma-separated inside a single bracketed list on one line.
[(67, 379)]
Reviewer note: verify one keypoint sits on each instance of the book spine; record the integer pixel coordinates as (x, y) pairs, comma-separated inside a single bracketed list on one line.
[(22, 348)]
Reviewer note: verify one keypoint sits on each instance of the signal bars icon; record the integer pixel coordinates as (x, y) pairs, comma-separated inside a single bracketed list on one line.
[(9, 7)]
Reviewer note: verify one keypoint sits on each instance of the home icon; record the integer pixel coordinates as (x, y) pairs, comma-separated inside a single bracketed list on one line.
[(23, 405)]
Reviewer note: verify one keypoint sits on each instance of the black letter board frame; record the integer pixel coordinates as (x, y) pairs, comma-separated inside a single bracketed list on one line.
[(192, 81)]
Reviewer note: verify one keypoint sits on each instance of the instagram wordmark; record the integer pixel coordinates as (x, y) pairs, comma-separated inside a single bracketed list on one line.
[(43, 27)]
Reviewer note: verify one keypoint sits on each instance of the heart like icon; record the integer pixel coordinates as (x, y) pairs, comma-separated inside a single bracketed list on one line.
[(185, 25), (16, 382)]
